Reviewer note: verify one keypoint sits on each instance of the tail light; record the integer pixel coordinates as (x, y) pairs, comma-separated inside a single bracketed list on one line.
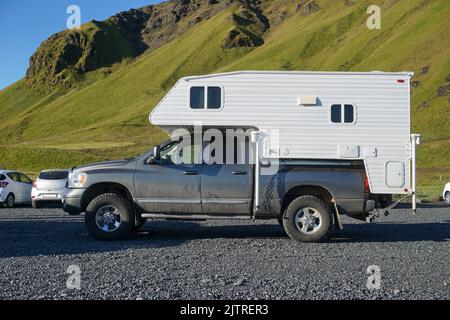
[(3, 184), (366, 184)]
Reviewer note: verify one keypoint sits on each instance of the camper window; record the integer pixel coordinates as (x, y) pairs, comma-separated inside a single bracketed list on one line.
[(197, 97), (206, 97), (348, 113), (336, 113), (342, 113), (214, 98)]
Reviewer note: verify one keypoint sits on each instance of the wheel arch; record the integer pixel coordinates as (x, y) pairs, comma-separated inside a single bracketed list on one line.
[(100, 188), (306, 190)]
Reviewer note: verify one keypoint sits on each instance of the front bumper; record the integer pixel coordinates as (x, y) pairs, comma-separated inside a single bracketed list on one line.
[(72, 201)]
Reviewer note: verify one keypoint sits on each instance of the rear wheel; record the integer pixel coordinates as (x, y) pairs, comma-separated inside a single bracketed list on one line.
[(109, 217), (35, 204), (10, 201), (308, 219), (447, 197)]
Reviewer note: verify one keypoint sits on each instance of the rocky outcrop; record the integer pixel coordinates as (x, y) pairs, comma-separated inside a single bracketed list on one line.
[(62, 59), (251, 25), (306, 7), (169, 20)]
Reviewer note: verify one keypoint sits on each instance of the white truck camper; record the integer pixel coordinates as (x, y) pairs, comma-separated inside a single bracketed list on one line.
[(316, 116)]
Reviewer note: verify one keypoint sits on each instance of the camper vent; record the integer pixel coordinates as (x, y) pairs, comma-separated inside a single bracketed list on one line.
[(307, 101)]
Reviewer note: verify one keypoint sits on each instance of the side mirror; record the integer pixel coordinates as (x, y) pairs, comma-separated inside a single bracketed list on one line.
[(156, 155)]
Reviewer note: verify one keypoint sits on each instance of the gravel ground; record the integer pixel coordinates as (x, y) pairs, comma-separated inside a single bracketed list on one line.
[(225, 259)]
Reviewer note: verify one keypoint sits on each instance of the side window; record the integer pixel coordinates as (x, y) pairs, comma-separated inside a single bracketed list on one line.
[(197, 98), (187, 155), (24, 178), (342, 113), (205, 98), (13, 176)]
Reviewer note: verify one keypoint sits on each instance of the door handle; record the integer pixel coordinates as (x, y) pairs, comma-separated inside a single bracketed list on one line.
[(239, 173), (190, 173)]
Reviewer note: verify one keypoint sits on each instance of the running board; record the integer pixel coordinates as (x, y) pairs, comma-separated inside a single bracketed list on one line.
[(193, 217)]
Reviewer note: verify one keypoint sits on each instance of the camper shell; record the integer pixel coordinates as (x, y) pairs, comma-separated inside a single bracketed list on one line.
[(315, 116)]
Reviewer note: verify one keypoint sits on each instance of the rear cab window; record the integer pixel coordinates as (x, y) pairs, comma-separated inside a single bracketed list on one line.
[(53, 175), (2, 177)]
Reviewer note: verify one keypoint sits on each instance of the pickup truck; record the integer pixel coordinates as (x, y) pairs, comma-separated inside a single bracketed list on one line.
[(306, 197)]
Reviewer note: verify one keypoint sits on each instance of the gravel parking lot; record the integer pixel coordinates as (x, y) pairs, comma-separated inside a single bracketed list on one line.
[(225, 259)]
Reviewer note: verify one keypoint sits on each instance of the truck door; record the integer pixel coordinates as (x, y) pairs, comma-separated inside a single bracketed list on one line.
[(166, 187), (227, 188)]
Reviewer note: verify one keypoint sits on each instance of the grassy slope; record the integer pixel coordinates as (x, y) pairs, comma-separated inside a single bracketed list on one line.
[(108, 118)]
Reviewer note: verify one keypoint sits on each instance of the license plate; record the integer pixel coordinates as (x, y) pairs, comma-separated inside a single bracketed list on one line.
[(50, 196)]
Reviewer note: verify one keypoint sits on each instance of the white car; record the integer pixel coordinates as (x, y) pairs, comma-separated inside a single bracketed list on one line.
[(49, 187), (446, 193), (15, 188)]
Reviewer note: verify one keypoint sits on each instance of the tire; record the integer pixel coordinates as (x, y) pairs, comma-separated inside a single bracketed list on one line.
[(35, 204), (308, 219), (10, 201), (109, 217), (447, 198)]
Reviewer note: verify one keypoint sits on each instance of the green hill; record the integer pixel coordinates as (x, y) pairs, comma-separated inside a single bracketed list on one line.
[(88, 92)]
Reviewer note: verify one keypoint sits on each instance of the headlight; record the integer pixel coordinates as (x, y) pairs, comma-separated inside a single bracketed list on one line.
[(77, 180)]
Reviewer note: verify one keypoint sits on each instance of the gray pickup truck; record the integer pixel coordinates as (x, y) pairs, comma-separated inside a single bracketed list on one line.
[(306, 197)]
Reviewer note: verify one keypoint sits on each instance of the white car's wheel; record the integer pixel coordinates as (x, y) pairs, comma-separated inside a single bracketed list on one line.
[(447, 197), (10, 200)]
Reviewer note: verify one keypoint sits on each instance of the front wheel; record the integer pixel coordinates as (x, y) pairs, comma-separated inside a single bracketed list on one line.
[(109, 217), (447, 198), (308, 219)]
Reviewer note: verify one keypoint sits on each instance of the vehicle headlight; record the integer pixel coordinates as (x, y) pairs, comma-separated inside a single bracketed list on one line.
[(77, 180)]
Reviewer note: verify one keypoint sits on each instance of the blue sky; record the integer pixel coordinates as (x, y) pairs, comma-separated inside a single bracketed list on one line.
[(25, 24)]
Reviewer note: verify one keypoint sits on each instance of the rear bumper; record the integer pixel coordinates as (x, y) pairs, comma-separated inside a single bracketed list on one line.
[(351, 206), (72, 201), (47, 198)]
